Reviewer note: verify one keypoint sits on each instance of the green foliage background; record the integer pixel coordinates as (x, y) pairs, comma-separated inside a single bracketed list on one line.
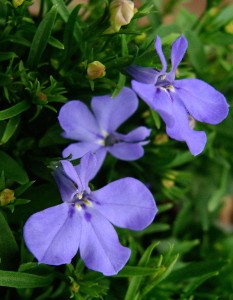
[(186, 253)]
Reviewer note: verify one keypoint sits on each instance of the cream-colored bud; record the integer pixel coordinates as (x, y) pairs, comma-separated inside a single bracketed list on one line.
[(6, 196), (161, 139), (121, 13), (140, 38), (17, 3), (229, 28), (95, 70)]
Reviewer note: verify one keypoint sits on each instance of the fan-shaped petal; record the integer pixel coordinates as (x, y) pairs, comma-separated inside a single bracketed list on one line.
[(53, 235), (112, 112), (126, 203), (100, 248)]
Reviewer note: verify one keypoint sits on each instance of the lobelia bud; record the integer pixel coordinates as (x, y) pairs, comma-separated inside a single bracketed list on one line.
[(121, 13), (95, 70), (17, 3), (6, 196)]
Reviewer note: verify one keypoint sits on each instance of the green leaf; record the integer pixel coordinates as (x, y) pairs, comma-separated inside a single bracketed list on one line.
[(69, 32), (196, 269), (157, 227), (2, 181), (5, 79), (20, 190), (14, 110), (11, 127), (7, 55), (223, 17), (137, 271), (156, 118), (196, 50), (120, 85), (12, 169), (24, 280), (41, 38), (165, 271), (8, 246), (55, 43), (196, 282), (62, 9), (136, 282)]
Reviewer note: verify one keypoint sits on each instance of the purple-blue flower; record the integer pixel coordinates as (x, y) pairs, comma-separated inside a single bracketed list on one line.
[(96, 132), (83, 221), (175, 100)]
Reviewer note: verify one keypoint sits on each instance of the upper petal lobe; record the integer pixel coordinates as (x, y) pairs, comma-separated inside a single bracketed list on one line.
[(112, 112), (202, 101), (78, 122)]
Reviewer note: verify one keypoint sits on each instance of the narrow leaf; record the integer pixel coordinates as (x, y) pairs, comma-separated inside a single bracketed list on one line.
[(12, 169), (41, 38), (14, 110), (23, 280), (11, 127), (8, 246)]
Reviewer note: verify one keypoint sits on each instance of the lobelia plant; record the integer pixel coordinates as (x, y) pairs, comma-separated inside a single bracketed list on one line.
[(97, 132), (83, 220), (175, 100)]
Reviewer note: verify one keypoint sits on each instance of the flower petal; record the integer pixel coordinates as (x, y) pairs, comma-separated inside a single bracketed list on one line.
[(78, 122), (179, 48), (127, 151), (202, 101), (99, 247), (67, 180), (182, 131), (53, 235), (158, 47), (126, 203), (112, 112), (157, 98), (86, 169), (143, 74), (77, 150), (136, 135)]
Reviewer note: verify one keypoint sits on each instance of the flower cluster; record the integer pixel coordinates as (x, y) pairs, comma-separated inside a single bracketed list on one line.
[(84, 220)]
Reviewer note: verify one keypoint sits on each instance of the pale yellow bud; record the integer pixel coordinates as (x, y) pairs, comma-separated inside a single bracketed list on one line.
[(229, 28), (140, 38), (169, 180), (95, 70), (6, 197), (161, 139), (17, 3), (121, 13)]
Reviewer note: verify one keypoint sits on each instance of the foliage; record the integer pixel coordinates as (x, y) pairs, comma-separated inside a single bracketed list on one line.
[(186, 253)]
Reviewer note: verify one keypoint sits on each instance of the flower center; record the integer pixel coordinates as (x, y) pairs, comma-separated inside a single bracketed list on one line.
[(110, 140), (81, 200), (164, 83)]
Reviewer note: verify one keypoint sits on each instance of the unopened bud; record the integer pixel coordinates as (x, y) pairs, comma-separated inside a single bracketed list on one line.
[(95, 70), (140, 38), (229, 28), (6, 196), (17, 3), (121, 13), (192, 122), (169, 180), (161, 139)]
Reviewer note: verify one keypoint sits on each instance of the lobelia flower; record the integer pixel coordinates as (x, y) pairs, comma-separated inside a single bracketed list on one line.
[(97, 132), (83, 220), (176, 100)]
